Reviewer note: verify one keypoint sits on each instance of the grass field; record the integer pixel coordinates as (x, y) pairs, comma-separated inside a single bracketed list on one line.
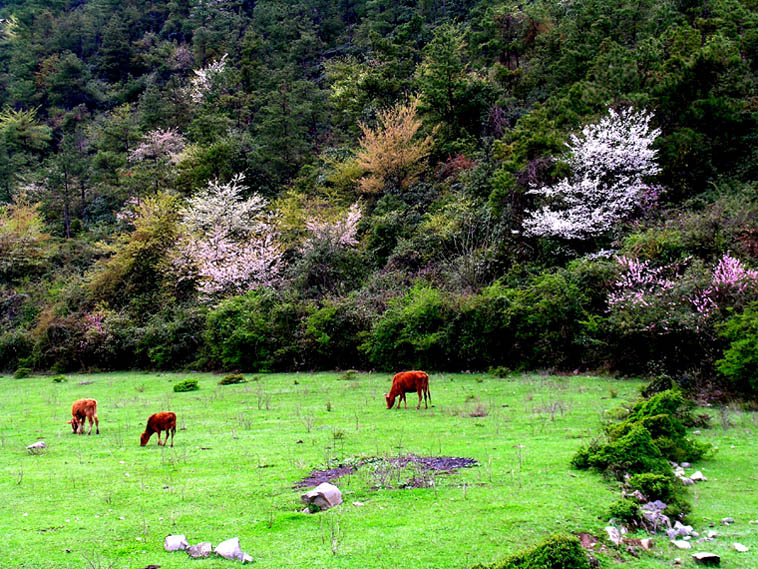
[(103, 501)]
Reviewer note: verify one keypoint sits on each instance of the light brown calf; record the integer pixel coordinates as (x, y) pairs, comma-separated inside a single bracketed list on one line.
[(82, 410)]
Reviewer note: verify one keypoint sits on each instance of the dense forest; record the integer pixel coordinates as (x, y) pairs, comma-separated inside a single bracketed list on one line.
[(452, 185)]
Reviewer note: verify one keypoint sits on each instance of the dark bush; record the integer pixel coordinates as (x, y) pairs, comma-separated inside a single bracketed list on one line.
[(332, 334), (255, 332), (740, 358), (15, 346), (554, 552), (22, 372), (232, 378), (60, 379), (653, 486), (186, 385)]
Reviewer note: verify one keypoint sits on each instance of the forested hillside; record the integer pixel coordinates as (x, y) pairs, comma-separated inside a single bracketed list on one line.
[(459, 184)]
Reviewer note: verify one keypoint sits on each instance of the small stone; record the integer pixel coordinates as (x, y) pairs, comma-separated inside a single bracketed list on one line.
[(202, 549), (681, 544), (741, 548), (686, 465), (686, 481), (247, 558), (698, 477), (711, 534), (687, 537), (753, 522), (36, 448), (727, 521), (322, 497), (677, 562), (358, 504), (695, 432), (646, 543), (705, 558), (175, 543)]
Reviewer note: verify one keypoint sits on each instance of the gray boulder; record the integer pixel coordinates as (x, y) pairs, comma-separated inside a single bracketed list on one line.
[(705, 558), (322, 497), (230, 549), (202, 549)]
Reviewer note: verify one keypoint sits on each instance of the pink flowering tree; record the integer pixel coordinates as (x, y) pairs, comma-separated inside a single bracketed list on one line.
[(680, 295), (152, 162), (341, 232), (611, 163), (230, 244)]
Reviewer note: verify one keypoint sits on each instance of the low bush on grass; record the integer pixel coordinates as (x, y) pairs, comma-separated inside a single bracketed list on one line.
[(652, 434), (232, 378), (626, 511), (22, 372), (59, 379), (555, 552), (186, 385)]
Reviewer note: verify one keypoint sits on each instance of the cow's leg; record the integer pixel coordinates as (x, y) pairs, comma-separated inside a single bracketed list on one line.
[(420, 391), (159, 439), (97, 426), (80, 428), (90, 425), (173, 432), (405, 400)]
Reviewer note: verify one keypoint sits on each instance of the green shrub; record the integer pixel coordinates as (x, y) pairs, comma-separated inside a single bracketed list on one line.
[(255, 331), (653, 486), (626, 511), (499, 371), (555, 552), (740, 360), (634, 452), (59, 379), (232, 378), (186, 385), (22, 372), (349, 375)]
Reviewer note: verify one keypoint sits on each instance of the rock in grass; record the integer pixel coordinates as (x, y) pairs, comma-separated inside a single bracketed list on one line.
[(230, 549), (36, 448), (175, 543), (741, 548), (322, 497), (202, 549), (698, 477), (727, 521), (705, 558), (681, 544), (613, 535)]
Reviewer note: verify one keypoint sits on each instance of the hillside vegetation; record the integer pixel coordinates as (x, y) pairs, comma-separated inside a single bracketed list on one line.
[(381, 184)]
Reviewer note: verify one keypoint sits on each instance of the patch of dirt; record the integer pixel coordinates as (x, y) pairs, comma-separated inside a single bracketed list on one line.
[(438, 464), (591, 543)]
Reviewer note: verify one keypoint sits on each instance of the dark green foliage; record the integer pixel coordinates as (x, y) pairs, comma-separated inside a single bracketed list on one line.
[(499, 371), (654, 486), (555, 552), (232, 379), (653, 433), (59, 379), (186, 385), (740, 360), (254, 332), (625, 511), (22, 372)]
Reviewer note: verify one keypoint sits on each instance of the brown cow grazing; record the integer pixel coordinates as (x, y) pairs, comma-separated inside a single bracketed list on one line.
[(408, 382), (82, 410), (163, 421)]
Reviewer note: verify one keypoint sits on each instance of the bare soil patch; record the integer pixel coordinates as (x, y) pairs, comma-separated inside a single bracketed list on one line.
[(435, 464)]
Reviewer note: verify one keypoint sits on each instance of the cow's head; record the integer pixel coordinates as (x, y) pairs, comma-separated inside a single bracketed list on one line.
[(74, 422), (143, 438), (390, 400)]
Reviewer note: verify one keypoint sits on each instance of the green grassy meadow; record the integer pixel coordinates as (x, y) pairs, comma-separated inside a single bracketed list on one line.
[(103, 501)]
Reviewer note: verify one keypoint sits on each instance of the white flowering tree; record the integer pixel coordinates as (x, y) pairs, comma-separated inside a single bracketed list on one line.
[(230, 245), (341, 232), (201, 84), (611, 163)]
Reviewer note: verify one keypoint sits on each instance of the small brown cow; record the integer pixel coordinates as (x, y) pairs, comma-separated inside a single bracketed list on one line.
[(408, 382), (163, 421), (82, 410)]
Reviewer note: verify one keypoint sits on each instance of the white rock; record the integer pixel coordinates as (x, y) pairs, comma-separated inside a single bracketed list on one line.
[(202, 549), (230, 549), (681, 544), (686, 481), (741, 548), (36, 448), (698, 477), (686, 465), (647, 543), (727, 521), (713, 534), (246, 558), (175, 543), (322, 497), (613, 535)]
